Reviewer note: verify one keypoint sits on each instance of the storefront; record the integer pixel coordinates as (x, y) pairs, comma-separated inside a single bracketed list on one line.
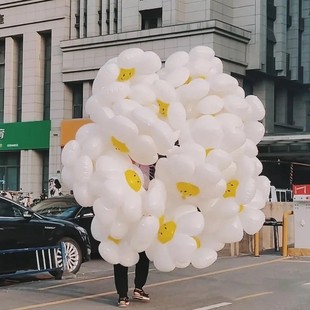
[(17, 142)]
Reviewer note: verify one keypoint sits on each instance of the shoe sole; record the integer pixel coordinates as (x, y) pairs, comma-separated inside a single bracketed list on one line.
[(140, 298), (123, 306)]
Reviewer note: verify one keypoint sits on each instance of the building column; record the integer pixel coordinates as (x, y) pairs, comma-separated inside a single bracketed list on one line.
[(92, 18), (33, 78), (264, 90), (10, 76), (31, 172), (55, 165)]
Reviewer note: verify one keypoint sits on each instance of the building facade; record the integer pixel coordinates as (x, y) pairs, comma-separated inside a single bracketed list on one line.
[(51, 51)]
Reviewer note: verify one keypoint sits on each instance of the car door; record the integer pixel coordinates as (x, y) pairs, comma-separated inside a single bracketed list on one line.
[(84, 219), (16, 231)]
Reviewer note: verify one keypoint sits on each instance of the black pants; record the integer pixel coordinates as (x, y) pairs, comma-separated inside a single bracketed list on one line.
[(121, 275)]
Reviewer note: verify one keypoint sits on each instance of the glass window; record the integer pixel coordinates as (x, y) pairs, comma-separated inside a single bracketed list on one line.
[(47, 38), (77, 100), (9, 209), (10, 170), (2, 60), (151, 18), (19, 87)]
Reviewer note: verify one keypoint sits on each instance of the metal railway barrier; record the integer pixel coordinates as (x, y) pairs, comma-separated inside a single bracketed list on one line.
[(39, 259)]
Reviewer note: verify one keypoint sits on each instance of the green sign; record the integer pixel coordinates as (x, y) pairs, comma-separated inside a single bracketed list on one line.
[(25, 135)]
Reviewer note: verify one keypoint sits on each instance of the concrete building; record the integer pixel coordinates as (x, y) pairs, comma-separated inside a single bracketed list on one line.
[(51, 51)]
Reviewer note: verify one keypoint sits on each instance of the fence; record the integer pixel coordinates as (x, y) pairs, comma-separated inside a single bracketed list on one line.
[(24, 261)]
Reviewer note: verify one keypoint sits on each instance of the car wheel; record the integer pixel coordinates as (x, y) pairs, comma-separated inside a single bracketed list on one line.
[(73, 255)]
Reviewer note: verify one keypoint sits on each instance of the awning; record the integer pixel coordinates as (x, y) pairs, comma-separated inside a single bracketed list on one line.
[(293, 148)]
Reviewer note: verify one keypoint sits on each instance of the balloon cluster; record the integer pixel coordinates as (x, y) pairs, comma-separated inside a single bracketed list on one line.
[(196, 124)]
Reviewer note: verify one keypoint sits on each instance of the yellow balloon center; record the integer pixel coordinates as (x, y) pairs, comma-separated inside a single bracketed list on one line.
[(119, 146), (189, 80), (166, 232), (126, 74), (209, 150), (231, 189), (116, 241), (198, 242), (133, 180), (163, 108), (187, 189), (241, 208)]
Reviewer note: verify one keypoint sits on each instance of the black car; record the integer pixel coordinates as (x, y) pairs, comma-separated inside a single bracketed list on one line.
[(67, 208), (21, 227)]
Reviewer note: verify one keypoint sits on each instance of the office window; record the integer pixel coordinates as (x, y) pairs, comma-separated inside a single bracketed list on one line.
[(151, 18), (2, 59), (77, 100), (19, 86), (9, 170), (271, 39), (47, 75)]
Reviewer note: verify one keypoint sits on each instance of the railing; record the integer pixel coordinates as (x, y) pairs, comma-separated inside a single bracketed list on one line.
[(273, 222), (43, 259)]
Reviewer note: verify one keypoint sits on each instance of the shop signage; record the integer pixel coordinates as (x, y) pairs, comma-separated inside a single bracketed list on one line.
[(25, 135), (69, 127)]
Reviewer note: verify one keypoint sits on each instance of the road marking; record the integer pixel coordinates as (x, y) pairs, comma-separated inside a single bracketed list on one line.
[(253, 295), (82, 281), (64, 301), (212, 273), (222, 304)]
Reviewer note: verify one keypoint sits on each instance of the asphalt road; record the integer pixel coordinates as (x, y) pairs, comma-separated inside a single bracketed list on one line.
[(268, 282)]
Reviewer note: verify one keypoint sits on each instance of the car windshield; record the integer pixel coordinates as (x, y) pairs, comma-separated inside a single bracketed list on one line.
[(62, 209)]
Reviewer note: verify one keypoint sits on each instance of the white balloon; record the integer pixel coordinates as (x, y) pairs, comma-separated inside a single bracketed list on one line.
[(129, 57), (254, 131), (109, 252), (154, 200), (144, 233), (203, 257), (82, 194), (202, 51), (222, 84), (257, 107), (107, 74), (119, 229), (83, 169), (177, 77), (70, 153), (191, 224), (176, 60), (252, 220), (210, 105), (128, 257), (163, 261), (67, 177), (149, 62)]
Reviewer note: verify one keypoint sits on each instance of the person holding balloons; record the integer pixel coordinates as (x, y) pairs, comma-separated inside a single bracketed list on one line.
[(121, 281), (141, 268)]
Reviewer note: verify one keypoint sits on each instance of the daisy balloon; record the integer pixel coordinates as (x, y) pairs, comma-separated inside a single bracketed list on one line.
[(174, 244)]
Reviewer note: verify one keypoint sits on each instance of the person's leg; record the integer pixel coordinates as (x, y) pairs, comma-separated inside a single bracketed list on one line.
[(142, 270), (121, 280), (141, 273)]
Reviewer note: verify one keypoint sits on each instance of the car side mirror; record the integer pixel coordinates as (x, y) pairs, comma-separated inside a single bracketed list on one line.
[(27, 215)]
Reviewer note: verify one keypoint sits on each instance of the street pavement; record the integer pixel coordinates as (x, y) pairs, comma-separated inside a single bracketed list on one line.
[(269, 282)]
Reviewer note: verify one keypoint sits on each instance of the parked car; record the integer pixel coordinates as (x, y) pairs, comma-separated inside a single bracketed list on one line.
[(67, 208), (21, 227)]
